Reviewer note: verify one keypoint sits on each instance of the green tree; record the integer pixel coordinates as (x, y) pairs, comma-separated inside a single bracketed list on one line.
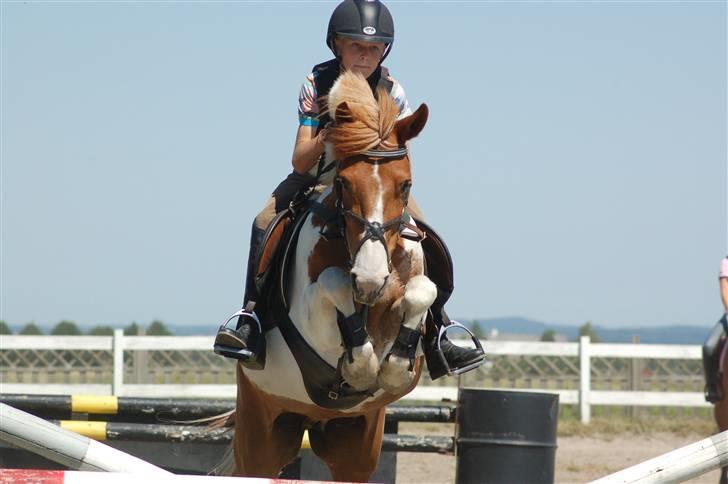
[(66, 328), (131, 330), (548, 335), (158, 328), (30, 329), (101, 331), (587, 329), (4, 328)]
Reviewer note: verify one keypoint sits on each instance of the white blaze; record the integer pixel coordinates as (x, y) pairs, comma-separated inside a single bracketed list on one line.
[(370, 266)]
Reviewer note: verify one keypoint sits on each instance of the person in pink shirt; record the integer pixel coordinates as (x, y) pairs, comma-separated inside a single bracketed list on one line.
[(712, 346)]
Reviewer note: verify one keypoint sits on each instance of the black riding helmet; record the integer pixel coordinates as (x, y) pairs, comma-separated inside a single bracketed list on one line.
[(367, 20)]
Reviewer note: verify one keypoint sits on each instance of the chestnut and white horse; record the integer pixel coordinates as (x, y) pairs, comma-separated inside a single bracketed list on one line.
[(357, 299)]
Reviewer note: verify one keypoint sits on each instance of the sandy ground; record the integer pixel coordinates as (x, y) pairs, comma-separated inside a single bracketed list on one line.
[(578, 459)]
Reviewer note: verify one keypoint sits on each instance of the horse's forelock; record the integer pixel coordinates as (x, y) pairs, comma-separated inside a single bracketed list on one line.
[(362, 122)]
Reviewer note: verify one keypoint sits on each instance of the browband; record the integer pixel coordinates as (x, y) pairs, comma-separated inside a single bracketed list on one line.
[(387, 154)]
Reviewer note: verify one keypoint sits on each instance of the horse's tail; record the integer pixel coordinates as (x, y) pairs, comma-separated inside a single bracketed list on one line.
[(226, 465), (226, 419)]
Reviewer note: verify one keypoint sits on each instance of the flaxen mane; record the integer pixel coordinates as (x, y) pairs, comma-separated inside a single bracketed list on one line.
[(363, 122)]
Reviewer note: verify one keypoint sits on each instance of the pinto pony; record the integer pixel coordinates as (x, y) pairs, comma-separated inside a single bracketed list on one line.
[(350, 302)]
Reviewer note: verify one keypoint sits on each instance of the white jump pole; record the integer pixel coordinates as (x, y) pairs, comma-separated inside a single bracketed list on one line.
[(65, 447), (676, 466)]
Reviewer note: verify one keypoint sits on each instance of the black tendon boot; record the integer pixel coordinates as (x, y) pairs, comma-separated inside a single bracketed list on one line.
[(447, 358), (711, 363), (246, 342)]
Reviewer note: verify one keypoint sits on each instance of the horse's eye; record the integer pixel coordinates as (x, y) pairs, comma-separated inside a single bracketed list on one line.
[(405, 189)]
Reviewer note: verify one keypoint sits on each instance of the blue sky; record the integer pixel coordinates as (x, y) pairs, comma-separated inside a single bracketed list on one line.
[(574, 160)]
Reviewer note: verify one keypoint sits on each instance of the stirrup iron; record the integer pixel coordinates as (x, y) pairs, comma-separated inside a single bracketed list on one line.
[(246, 311), (246, 355), (443, 330)]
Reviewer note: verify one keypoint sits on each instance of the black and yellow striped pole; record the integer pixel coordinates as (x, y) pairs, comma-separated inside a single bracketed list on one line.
[(133, 409), (118, 408)]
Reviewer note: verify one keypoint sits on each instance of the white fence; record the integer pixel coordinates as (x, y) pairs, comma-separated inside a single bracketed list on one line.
[(584, 350)]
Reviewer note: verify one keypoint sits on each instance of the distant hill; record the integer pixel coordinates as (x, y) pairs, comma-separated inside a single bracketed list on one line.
[(677, 334)]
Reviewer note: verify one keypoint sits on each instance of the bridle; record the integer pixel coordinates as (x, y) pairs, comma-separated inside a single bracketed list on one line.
[(373, 230)]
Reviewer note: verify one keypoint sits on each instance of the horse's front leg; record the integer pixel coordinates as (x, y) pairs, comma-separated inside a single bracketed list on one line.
[(334, 285), (397, 371)]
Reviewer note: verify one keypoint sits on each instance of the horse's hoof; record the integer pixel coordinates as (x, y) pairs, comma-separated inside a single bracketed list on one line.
[(361, 374)]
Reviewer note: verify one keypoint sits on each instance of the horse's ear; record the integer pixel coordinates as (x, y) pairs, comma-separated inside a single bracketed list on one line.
[(343, 113), (409, 127)]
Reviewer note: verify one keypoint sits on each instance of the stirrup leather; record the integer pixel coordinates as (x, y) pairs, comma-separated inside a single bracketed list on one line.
[(443, 330)]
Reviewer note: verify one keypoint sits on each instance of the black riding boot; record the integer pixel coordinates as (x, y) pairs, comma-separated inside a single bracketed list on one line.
[(711, 363), (246, 342), (448, 359)]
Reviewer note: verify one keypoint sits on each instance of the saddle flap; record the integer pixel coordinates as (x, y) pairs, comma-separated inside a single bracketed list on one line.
[(273, 237)]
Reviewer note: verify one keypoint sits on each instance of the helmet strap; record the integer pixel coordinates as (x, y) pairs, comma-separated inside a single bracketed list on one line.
[(387, 50)]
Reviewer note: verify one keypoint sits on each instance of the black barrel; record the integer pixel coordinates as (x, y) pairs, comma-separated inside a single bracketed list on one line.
[(505, 437)]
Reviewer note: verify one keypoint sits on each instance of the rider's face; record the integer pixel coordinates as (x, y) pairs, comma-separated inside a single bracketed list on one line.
[(359, 56)]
